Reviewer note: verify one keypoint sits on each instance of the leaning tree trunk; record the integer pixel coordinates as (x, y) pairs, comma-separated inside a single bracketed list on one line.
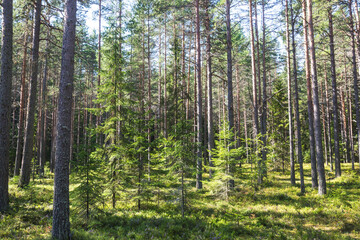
[(30, 114), (61, 223), (5, 100), (315, 98)]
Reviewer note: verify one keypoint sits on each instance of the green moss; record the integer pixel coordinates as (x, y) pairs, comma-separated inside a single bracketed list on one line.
[(274, 211)]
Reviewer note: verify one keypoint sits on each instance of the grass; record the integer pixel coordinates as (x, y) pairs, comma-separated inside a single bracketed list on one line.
[(274, 211)]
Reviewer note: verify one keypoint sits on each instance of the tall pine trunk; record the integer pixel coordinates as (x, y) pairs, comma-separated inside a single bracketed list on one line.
[(314, 180), (334, 95), (297, 111), (30, 113), (290, 112), (316, 104), (355, 75), (230, 98), (199, 102), (210, 127), (20, 139), (254, 81), (5, 99), (61, 208)]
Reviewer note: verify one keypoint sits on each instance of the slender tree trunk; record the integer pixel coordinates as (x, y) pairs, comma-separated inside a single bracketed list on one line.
[(165, 82), (230, 104), (199, 102), (334, 95), (53, 135), (30, 114), (315, 98), (43, 114), (61, 223), (264, 100), (297, 111), (210, 124), (149, 98), (98, 117), (343, 110), (348, 90), (160, 128), (20, 138), (355, 76), (314, 180), (257, 55), (254, 81), (290, 111), (5, 99)]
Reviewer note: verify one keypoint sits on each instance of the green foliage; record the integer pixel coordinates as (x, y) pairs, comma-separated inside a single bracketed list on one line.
[(225, 156), (87, 196)]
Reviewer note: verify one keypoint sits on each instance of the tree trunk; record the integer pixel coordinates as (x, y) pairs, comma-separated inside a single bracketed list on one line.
[(230, 98), (314, 180), (61, 223), (43, 113), (334, 96), (199, 102), (30, 114), (264, 100), (165, 82), (297, 114), (149, 98), (355, 76), (315, 98), (291, 130), (98, 117), (20, 138), (254, 81), (5, 99), (210, 124)]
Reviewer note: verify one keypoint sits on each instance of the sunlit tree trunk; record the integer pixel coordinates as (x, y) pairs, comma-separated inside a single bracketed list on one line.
[(61, 208), (290, 112), (315, 98), (30, 113)]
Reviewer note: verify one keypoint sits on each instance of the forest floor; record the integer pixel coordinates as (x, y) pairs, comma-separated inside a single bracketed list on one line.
[(274, 211)]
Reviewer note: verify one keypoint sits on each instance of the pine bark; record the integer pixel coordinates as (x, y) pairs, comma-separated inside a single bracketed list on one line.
[(20, 139), (30, 114), (314, 180), (334, 95), (253, 71), (316, 104), (230, 98), (199, 102), (290, 111), (297, 111), (210, 124), (61, 210), (262, 166), (355, 75), (5, 99)]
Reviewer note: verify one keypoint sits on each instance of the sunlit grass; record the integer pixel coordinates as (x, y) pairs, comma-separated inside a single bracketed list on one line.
[(275, 210)]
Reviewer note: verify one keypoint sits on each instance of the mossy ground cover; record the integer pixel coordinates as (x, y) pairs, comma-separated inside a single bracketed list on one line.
[(275, 210)]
